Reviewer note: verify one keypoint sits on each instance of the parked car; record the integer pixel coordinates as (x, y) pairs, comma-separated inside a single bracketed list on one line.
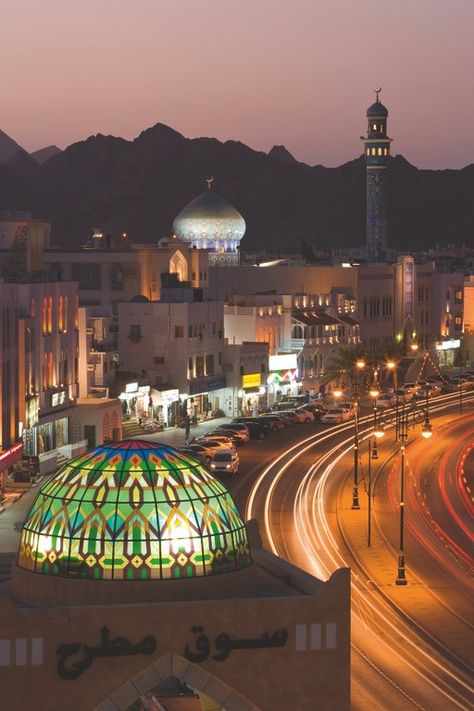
[(348, 407), (410, 387), (403, 396), (386, 400), (238, 436), (334, 415), (305, 414), (316, 409), (222, 440), (284, 405), (433, 389), (275, 422), (203, 451), (234, 438), (250, 422), (289, 417), (226, 460)]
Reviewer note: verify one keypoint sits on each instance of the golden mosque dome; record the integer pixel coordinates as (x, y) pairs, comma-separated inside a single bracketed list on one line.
[(133, 510)]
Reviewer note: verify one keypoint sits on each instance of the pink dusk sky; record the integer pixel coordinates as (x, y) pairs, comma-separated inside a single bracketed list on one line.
[(265, 72)]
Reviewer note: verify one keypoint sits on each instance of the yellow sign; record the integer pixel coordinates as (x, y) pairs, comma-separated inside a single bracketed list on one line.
[(253, 380)]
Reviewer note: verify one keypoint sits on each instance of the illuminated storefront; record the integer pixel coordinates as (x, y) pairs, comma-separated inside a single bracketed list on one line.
[(448, 351), (283, 376)]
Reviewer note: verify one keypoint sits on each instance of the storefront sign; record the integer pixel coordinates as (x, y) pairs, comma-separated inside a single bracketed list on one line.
[(131, 387), (447, 345), (11, 456), (283, 361), (252, 380), (206, 384), (58, 398)]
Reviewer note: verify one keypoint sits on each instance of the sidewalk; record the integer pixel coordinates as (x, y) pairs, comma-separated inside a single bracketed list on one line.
[(378, 564), (176, 436)]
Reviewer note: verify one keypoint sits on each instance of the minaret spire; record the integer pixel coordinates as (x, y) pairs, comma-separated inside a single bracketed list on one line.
[(376, 152)]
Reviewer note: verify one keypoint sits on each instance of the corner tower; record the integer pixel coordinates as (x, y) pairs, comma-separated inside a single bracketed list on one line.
[(376, 151)]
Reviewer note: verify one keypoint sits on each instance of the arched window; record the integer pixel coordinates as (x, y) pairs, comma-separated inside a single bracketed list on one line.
[(50, 314), (65, 324), (50, 370), (368, 151), (44, 317), (381, 128), (373, 151), (385, 151), (60, 314), (379, 151), (297, 331), (44, 373)]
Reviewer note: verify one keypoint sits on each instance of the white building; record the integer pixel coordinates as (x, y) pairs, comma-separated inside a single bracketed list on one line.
[(172, 349), (246, 371)]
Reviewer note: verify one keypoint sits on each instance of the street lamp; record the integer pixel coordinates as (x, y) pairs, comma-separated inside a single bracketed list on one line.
[(426, 433), (359, 366), (373, 454)]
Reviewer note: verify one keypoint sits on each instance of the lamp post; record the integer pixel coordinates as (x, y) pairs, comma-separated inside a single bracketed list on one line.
[(403, 430), (373, 454), (359, 366)]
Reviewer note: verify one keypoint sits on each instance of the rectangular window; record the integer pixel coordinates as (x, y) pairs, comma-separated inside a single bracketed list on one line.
[(190, 367), (199, 366), (135, 332), (179, 331), (209, 365), (190, 331)]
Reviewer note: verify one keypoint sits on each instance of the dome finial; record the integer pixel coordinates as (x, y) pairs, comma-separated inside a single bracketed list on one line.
[(377, 92), (209, 182)]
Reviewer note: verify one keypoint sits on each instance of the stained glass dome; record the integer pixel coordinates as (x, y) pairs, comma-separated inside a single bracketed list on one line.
[(134, 510)]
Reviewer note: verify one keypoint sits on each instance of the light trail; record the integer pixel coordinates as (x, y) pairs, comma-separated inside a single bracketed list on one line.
[(321, 541)]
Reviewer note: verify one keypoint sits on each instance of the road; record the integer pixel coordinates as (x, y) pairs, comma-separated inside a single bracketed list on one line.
[(297, 484), (302, 500)]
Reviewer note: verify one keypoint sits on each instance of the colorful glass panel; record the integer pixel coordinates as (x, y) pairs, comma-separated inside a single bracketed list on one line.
[(134, 510)]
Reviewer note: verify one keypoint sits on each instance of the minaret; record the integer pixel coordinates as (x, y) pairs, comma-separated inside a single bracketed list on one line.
[(377, 150)]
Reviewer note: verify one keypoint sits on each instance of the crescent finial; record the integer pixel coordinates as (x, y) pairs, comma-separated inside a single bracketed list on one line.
[(209, 182), (377, 92)]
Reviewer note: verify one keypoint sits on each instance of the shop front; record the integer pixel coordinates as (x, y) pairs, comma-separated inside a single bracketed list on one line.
[(165, 404), (448, 351), (135, 401), (8, 458), (252, 397), (283, 380), (205, 397)]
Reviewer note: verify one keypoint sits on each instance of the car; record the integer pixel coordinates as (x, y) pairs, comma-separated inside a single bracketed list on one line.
[(203, 451), (433, 389), (284, 405), (410, 387), (250, 421), (304, 414), (403, 396), (334, 415), (238, 436), (233, 436), (386, 400), (240, 426), (275, 422), (226, 460), (289, 416), (348, 407), (217, 439), (316, 409)]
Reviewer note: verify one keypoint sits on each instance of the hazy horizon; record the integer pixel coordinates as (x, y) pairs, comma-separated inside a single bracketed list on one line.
[(298, 73)]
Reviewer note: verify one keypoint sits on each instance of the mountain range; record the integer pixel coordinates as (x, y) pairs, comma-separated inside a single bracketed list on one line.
[(139, 186)]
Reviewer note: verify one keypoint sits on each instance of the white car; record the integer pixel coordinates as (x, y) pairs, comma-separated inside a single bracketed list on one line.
[(306, 413), (203, 451), (433, 389), (410, 388), (241, 436), (335, 415), (226, 460), (403, 396), (348, 407), (386, 400), (217, 439)]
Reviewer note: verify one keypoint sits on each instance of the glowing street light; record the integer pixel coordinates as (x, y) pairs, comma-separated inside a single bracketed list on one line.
[(379, 431), (337, 392), (374, 392), (360, 363)]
